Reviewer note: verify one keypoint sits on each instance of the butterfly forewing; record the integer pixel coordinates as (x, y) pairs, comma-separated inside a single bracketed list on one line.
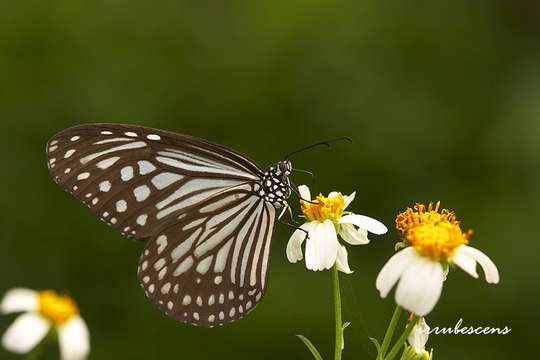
[(138, 179), (198, 204)]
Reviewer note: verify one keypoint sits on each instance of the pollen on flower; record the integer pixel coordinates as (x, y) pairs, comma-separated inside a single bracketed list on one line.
[(56, 308), (324, 208), (432, 231)]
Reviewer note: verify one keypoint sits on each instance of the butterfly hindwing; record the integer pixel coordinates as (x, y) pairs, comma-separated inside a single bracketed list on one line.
[(210, 267)]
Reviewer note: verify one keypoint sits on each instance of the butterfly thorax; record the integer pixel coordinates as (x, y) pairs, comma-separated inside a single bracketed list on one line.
[(276, 187)]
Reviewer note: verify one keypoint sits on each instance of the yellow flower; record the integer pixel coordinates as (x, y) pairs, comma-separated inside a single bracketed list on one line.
[(41, 311), (58, 309), (432, 232), (322, 208), (326, 218), (436, 240)]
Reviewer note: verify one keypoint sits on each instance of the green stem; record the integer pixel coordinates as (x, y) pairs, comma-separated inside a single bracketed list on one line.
[(337, 314), (390, 331), (399, 344)]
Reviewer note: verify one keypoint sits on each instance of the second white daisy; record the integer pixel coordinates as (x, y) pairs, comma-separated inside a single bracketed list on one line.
[(434, 241), (326, 218)]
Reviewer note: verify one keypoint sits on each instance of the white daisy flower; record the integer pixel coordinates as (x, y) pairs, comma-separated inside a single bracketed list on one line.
[(436, 241), (326, 219), (41, 311)]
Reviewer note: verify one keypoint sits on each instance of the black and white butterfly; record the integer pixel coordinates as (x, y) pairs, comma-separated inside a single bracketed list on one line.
[(206, 212)]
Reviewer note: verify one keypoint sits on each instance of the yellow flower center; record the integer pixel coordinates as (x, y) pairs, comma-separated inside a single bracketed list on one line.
[(56, 308), (324, 208), (432, 232)]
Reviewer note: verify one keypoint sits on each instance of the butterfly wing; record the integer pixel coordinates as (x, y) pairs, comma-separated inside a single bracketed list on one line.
[(197, 203), (210, 267), (139, 179)]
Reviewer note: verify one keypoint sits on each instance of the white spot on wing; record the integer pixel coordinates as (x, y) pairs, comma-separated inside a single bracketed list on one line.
[(184, 266), (153, 137), (105, 186), (69, 153), (126, 173), (141, 219), (161, 241), (141, 192), (83, 176), (204, 265), (184, 247), (121, 206), (104, 164), (159, 264), (106, 141), (221, 258), (165, 179), (129, 146), (145, 167), (166, 288)]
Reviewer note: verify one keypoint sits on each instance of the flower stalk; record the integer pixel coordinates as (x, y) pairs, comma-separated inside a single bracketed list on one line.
[(390, 332), (399, 344), (337, 315)]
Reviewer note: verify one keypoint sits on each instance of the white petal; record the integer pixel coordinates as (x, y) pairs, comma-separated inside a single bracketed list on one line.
[(348, 200), (294, 246), (365, 222), (333, 194), (342, 263), (321, 245), (490, 270), (465, 262), (393, 269), (312, 257), (74, 339), (19, 300), (419, 336), (330, 244), (25, 333), (420, 286), (354, 236), (304, 192)]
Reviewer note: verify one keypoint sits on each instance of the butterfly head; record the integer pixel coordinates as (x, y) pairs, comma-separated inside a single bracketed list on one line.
[(283, 168)]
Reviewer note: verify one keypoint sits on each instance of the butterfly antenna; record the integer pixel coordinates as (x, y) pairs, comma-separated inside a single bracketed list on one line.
[(325, 143), (305, 172)]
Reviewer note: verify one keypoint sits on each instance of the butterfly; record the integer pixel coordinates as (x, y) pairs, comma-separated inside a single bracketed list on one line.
[(205, 212)]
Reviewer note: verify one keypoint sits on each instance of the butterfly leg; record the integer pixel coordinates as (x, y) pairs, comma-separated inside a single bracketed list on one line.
[(285, 208), (294, 226), (294, 188)]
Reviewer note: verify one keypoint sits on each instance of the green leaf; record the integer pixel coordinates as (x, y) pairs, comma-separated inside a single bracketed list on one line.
[(311, 347), (400, 245), (377, 345)]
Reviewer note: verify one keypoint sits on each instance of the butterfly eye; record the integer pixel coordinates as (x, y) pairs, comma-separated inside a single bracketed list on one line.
[(285, 167)]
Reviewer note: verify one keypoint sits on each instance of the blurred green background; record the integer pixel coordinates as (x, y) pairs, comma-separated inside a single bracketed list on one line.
[(442, 99)]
